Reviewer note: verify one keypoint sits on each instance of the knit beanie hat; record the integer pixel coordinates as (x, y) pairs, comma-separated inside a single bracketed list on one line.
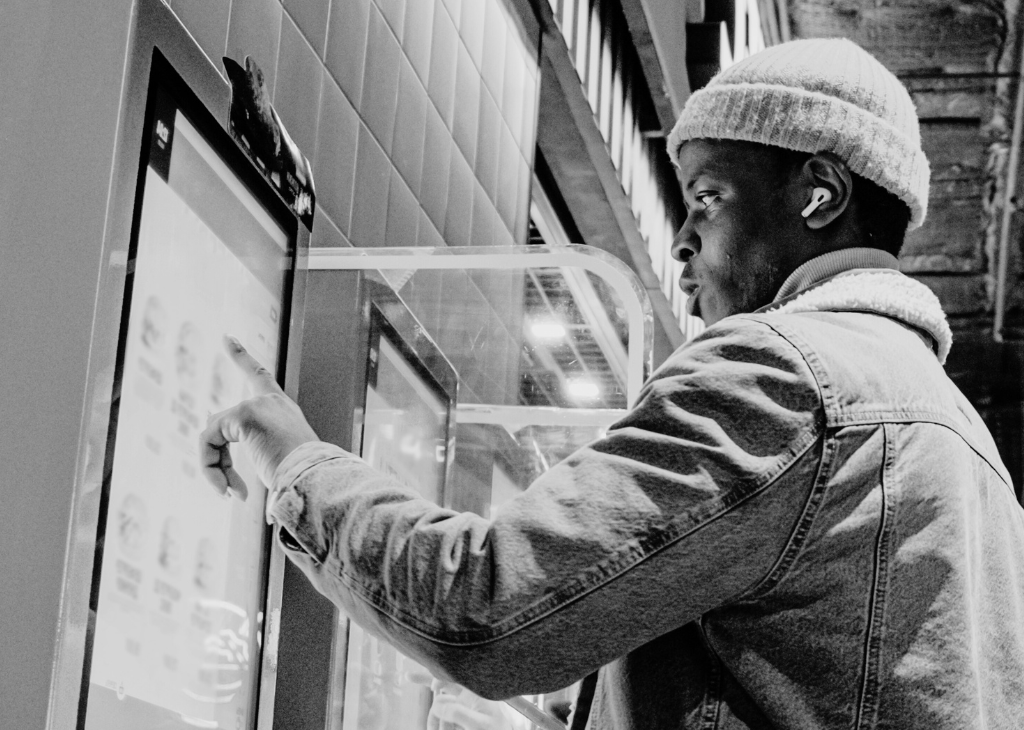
[(817, 95)]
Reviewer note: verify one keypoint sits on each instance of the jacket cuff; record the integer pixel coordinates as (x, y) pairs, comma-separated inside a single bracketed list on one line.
[(285, 503)]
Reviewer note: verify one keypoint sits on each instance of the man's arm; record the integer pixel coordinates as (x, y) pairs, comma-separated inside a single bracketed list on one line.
[(686, 504)]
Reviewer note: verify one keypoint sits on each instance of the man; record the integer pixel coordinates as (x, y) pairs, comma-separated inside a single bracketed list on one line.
[(801, 524)]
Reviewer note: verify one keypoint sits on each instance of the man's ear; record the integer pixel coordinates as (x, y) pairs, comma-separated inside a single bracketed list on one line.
[(826, 170)]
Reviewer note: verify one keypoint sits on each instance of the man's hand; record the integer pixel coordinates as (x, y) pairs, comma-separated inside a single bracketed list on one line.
[(457, 708), (269, 425)]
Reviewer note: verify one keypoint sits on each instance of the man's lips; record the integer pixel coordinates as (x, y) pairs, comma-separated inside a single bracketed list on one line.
[(690, 288)]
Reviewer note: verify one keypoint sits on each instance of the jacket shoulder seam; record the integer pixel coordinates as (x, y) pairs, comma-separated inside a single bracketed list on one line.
[(826, 393), (936, 418)]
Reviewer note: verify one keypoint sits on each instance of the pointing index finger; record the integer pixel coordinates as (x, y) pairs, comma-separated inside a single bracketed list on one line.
[(261, 380)]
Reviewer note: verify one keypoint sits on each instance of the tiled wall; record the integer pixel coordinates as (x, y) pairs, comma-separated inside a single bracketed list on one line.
[(419, 118)]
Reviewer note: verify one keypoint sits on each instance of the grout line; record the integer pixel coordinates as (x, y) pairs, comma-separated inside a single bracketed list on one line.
[(227, 33), (327, 33), (355, 169), (284, 12), (319, 113), (277, 59), (387, 24), (338, 83), (322, 213)]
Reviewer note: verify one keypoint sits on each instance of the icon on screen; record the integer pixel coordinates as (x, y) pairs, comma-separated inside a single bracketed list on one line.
[(154, 322), (162, 132), (169, 555), (205, 567), (219, 382), (131, 525), (187, 354)]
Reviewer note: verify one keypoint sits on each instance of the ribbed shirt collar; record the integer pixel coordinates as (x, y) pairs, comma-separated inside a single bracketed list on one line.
[(830, 264)]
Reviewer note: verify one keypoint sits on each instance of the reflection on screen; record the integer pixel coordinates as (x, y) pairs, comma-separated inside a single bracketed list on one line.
[(405, 424), (405, 430), (178, 616)]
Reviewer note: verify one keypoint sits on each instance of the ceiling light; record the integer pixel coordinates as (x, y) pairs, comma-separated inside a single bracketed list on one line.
[(547, 330), (583, 389)]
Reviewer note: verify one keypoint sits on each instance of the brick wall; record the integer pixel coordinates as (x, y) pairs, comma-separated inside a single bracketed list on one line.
[(957, 60)]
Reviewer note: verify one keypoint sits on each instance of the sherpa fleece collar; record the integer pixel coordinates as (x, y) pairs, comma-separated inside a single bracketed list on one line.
[(881, 291)]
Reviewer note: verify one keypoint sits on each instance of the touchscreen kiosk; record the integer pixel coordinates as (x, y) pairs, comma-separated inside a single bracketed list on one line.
[(180, 572)]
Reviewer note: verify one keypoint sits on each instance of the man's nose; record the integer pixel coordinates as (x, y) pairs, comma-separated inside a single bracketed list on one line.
[(686, 244)]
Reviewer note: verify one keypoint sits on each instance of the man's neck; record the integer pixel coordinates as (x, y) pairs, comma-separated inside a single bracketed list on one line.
[(835, 262)]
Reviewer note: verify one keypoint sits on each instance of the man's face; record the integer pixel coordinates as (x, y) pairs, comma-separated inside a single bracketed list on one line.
[(740, 239)]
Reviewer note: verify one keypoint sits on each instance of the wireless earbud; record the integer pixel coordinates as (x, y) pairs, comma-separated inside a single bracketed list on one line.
[(818, 196)]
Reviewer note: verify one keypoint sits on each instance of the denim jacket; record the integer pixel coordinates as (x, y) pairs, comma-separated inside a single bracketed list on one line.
[(802, 523)]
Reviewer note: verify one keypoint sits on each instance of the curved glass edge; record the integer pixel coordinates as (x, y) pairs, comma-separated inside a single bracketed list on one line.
[(612, 270)]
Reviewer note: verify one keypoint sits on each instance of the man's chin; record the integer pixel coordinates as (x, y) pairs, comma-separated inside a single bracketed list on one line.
[(692, 306), (693, 309)]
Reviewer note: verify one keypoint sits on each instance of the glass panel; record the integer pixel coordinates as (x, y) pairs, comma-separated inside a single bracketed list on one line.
[(550, 345), (563, 326)]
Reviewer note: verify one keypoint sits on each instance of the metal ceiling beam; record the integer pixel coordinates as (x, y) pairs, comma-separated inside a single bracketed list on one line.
[(658, 28)]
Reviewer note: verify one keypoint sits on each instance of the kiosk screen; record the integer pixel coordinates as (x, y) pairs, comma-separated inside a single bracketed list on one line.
[(405, 419), (405, 434), (178, 603)]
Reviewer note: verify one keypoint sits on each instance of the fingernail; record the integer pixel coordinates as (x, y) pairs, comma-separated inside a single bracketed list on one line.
[(234, 343)]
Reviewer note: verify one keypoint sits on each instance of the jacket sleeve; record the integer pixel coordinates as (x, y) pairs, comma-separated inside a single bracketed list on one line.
[(686, 504)]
